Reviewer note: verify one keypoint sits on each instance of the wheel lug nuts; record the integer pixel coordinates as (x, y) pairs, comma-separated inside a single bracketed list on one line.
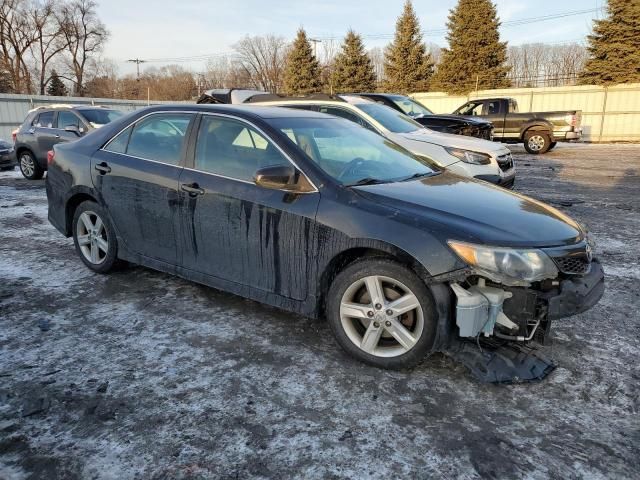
[(390, 312), (370, 313), (387, 323), (378, 306), (376, 324)]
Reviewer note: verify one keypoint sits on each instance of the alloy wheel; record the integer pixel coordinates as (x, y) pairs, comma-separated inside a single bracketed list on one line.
[(92, 238), (27, 165), (536, 142), (381, 316)]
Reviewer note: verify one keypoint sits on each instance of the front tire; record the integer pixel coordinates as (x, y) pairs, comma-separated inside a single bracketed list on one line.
[(382, 314), (552, 145), (94, 237), (29, 166), (537, 143)]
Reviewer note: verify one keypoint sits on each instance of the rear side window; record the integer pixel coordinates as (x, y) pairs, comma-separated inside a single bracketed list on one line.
[(234, 149), (342, 113), (159, 137), (45, 120)]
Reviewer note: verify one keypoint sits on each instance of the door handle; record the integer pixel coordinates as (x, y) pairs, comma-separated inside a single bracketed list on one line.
[(103, 168), (192, 189)]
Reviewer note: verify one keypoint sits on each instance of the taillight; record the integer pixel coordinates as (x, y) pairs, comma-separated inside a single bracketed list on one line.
[(572, 120), (51, 156), (14, 134)]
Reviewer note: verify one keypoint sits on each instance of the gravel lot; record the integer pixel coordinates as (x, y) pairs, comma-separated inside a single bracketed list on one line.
[(143, 375)]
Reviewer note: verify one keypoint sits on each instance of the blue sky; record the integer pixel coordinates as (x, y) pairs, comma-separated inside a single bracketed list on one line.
[(178, 28)]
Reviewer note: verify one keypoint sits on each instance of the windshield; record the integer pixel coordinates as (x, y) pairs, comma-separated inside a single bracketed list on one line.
[(389, 118), (410, 106), (101, 116), (351, 154)]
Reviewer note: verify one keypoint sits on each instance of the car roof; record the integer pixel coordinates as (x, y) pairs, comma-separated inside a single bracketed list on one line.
[(258, 110)]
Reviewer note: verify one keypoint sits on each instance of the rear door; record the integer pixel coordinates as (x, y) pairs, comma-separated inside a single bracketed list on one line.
[(235, 230), (136, 175)]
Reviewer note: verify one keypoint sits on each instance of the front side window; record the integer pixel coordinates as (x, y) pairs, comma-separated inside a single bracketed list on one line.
[(45, 120), (410, 107), (158, 137), (389, 118), (350, 154), (233, 149), (67, 119)]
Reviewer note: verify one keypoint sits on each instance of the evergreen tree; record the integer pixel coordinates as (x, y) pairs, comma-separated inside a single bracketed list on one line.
[(407, 65), (475, 56), (302, 72), (56, 87), (353, 69), (614, 46)]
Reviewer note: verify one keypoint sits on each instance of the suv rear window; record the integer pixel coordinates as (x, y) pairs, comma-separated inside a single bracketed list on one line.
[(100, 116)]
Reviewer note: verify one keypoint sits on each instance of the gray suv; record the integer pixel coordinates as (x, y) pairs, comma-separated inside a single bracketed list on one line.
[(46, 126)]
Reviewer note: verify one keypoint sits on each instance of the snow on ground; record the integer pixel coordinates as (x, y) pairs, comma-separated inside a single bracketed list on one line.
[(142, 375)]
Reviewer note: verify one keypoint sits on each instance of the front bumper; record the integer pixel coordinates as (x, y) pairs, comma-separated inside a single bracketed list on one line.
[(507, 181), (8, 160)]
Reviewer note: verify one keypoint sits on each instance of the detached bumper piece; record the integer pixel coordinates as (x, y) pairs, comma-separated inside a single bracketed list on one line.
[(499, 362)]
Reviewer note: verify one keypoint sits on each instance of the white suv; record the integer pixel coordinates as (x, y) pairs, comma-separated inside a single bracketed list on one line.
[(466, 156)]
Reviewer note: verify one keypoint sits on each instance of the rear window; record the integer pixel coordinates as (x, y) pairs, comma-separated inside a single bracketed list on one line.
[(100, 116)]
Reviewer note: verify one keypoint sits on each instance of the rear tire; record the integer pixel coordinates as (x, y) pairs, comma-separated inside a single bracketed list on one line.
[(94, 237), (394, 327), (537, 143), (29, 166)]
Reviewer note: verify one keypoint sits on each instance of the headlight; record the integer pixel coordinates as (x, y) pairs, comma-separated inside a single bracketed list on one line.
[(468, 156), (507, 264)]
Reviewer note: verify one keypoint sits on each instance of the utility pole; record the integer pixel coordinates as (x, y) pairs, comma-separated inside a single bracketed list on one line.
[(137, 61), (315, 43)]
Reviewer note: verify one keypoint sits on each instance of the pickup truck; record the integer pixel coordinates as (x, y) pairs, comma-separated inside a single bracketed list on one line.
[(539, 131)]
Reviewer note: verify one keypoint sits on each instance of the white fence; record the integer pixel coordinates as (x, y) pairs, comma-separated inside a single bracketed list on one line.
[(14, 108), (609, 114)]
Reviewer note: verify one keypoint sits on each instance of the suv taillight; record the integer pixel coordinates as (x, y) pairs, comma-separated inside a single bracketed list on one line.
[(51, 156), (14, 134)]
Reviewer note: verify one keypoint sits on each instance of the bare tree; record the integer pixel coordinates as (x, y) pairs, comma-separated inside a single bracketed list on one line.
[(263, 58), (227, 72), (376, 55), (16, 38), (49, 39), (84, 35), (541, 64)]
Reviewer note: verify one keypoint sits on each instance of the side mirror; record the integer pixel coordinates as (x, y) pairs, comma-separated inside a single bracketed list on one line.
[(278, 177), (74, 129)]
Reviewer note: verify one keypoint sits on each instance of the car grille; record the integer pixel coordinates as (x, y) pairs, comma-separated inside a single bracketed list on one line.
[(573, 265), (505, 162)]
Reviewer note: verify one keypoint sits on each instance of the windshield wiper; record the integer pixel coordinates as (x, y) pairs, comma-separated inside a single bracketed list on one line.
[(419, 175), (366, 181)]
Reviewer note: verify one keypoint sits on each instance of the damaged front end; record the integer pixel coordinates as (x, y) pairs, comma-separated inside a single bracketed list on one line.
[(506, 305)]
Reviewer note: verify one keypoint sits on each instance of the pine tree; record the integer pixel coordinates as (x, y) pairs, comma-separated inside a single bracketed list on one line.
[(475, 56), (353, 69), (56, 87), (302, 72), (407, 65), (614, 46)]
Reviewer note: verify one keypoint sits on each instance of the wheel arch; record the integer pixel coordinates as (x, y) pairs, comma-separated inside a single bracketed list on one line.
[(76, 198), (537, 127), (348, 256)]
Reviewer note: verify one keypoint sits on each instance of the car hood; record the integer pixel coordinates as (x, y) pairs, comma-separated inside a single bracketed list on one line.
[(456, 141), (458, 118), (465, 209)]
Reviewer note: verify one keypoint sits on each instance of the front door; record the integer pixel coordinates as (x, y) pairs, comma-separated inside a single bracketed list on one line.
[(495, 113), (136, 175), (233, 229)]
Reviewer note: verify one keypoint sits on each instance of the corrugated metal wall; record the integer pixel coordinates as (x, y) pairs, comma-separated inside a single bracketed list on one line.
[(608, 113), (14, 108)]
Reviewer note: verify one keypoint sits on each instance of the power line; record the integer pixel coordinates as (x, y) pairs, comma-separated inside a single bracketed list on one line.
[(137, 61)]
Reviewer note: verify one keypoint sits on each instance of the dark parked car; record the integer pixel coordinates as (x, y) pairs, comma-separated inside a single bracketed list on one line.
[(456, 124), (45, 127), (319, 216), (7, 156), (539, 131)]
